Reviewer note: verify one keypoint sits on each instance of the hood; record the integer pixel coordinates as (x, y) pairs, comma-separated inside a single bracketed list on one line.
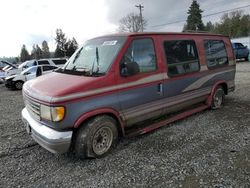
[(10, 77), (59, 87)]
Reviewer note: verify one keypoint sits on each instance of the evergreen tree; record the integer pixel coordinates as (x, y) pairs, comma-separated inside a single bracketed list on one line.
[(33, 52), (72, 45), (194, 21), (24, 55), (235, 24), (209, 26), (39, 52), (45, 50), (36, 52), (61, 44)]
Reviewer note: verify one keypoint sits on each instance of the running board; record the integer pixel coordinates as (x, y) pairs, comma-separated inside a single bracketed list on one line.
[(165, 122)]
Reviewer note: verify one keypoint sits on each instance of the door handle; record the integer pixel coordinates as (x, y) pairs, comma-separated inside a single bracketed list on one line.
[(160, 89)]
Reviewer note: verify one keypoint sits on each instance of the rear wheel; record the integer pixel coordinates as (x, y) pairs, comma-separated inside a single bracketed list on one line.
[(96, 138), (218, 98), (19, 85)]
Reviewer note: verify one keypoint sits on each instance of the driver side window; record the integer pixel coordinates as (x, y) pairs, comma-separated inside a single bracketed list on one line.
[(141, 52)]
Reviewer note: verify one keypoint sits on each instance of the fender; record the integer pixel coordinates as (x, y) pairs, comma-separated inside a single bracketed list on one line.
[(93, 113), (210, 97)]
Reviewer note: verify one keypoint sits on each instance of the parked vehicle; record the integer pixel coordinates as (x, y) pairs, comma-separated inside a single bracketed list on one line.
[(17, 81), (9, 71), (127, 85), (59, 62), (6, 63), (2, 76), (240, 51)]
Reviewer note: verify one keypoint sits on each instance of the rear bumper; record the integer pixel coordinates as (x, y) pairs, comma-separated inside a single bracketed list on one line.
[(52, 140)]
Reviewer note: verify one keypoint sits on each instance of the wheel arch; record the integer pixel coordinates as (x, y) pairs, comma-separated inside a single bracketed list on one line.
[(104, 111), (221, 83)]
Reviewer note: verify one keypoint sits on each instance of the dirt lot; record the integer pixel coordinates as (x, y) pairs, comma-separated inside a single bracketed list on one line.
[(209, 149)]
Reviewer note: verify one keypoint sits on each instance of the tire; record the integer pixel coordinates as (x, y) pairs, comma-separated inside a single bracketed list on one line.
[(218, 98), (19, 85), (96, 137), (246, 58)]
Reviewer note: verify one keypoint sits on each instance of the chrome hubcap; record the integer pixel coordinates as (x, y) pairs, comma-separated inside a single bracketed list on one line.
[(19, 85), (102, 140), (218, 97)]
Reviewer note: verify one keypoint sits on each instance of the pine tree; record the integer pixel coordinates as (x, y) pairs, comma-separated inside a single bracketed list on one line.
[(24, 55), (209, 26), (61, 44), (194, 21), (234, 24), (33, 52), (45, 50), (39, 52), (72, 45)]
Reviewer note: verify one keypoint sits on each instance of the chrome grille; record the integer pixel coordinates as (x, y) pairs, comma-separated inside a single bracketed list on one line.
[(33, 107)]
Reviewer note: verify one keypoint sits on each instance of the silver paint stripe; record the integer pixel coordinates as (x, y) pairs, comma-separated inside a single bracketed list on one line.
[(163, 103), (149, 79), (197, 84)]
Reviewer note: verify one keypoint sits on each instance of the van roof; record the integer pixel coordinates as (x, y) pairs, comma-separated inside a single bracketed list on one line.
[(163, 33)]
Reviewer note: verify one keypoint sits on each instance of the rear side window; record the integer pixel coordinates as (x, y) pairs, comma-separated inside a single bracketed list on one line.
[(43, 62), (216, 54), (141, 51), (239, 45), (47, 68), (59, 61), (182, 57)]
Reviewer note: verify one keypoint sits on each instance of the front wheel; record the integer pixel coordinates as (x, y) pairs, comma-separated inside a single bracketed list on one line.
[(19, 85), (96, 138), (218, 98)]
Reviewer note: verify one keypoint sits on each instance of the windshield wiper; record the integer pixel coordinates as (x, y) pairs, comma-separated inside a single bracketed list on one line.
[(96, 59)]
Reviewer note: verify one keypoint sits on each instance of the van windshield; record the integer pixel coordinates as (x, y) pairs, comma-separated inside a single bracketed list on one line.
[(95, 57)]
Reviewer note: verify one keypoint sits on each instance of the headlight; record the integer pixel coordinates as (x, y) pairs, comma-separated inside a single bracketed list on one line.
[(52, 113), (45, 112)]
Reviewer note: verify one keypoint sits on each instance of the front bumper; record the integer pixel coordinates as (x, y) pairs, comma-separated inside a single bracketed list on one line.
[(9, 83), (52, 140)]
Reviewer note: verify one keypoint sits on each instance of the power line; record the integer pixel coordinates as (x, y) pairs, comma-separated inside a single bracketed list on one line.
[(179, 21)]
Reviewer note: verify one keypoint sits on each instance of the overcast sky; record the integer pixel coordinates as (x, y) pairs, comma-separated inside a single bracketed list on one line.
[(32, 21)]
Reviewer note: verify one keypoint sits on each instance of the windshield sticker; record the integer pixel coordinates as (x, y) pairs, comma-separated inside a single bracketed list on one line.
[(109, 43)]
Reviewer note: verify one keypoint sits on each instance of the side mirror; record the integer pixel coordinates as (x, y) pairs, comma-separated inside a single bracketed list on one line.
[(129, 69)]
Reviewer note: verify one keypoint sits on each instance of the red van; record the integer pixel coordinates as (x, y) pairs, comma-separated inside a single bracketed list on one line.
[(126, 85)]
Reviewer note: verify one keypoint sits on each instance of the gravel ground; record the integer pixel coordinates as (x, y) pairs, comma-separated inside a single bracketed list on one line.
[(209, 149)]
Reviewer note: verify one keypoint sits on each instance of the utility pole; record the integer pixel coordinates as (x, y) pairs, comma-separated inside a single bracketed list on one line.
[(140, 8)]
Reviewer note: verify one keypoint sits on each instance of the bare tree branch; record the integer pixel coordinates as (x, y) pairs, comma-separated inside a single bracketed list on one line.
[(131, 23)]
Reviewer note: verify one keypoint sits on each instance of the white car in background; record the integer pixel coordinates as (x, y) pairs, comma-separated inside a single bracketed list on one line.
[(17, 81), (57, 62), (4, 66)]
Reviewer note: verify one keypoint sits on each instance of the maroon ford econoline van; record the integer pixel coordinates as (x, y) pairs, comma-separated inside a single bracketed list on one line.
[(125, 85)]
